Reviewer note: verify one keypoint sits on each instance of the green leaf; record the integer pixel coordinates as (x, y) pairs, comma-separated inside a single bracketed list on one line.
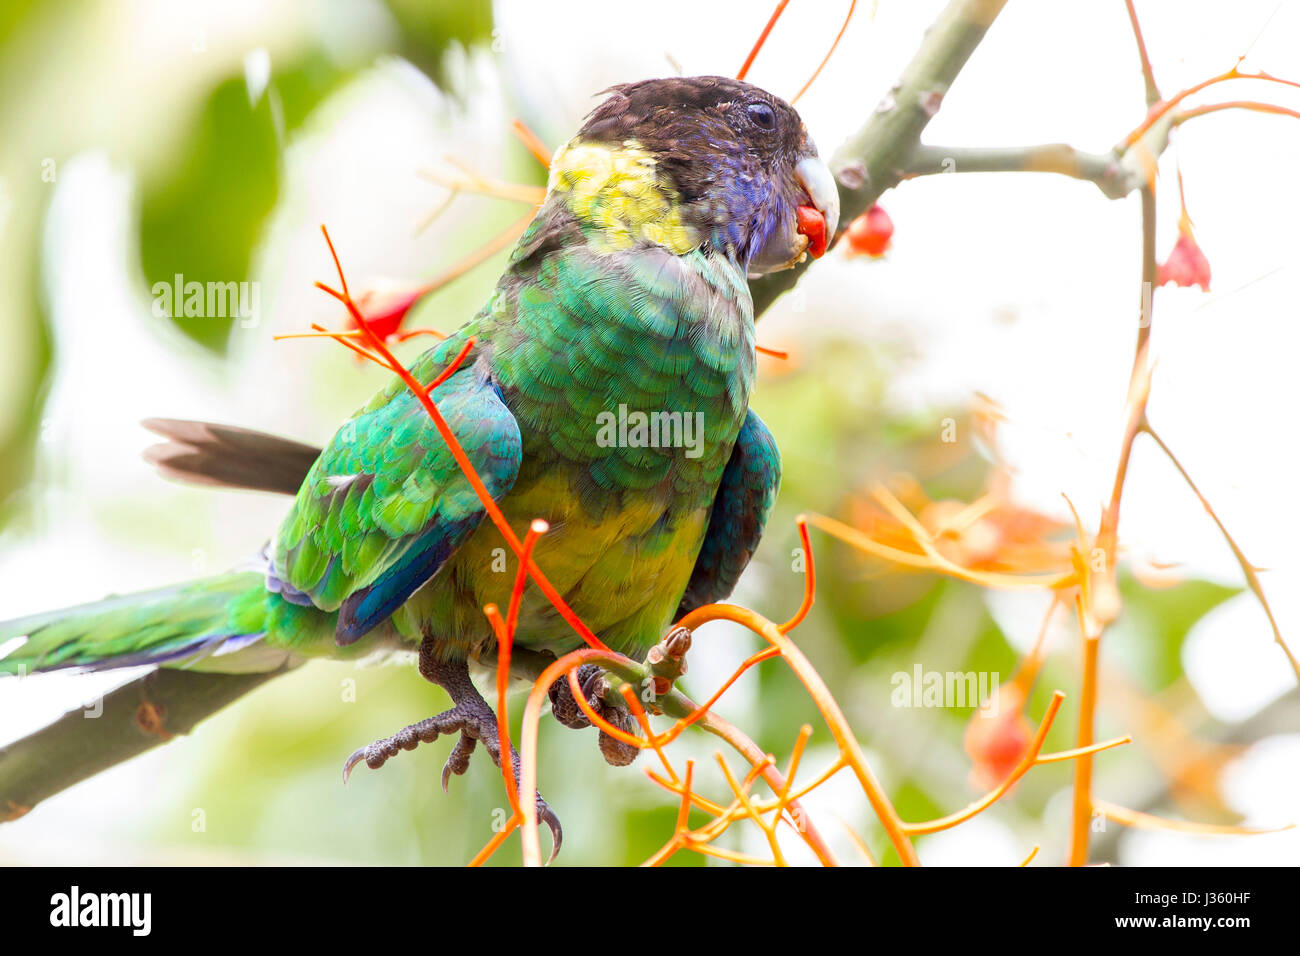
[(201, 222), (202, 218), (429, 29)]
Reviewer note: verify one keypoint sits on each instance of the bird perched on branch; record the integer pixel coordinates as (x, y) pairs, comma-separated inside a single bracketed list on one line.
[(606, 392)]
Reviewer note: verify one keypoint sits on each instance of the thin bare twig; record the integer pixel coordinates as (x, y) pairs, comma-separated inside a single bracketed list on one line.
[(1248, 569)]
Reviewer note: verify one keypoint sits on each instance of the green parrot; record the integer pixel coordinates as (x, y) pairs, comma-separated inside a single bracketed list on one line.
[(607, 393)]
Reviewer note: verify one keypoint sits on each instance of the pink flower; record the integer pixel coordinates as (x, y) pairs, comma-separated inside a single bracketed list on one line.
[(1186, 265), (386, 303)]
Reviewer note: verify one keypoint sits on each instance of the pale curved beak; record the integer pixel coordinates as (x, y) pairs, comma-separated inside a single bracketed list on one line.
[(818, 182), (814, 222)]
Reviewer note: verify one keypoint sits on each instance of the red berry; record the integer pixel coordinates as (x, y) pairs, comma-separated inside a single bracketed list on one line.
[(996, 743), (813, 225), (869, 234)]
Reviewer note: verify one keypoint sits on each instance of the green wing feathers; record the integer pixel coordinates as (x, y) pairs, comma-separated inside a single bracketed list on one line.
[(386, 503)]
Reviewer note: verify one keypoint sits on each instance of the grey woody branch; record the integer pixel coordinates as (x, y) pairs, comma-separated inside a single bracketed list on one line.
[(126, 722)]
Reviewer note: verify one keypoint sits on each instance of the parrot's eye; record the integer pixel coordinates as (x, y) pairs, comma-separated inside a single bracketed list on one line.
[(762, 116)]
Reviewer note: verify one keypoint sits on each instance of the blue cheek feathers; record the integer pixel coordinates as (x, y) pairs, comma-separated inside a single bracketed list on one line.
[(751, 216)]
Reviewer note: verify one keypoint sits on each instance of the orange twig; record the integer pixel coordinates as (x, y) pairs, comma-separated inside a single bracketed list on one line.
[(762, 38), (830, 711), (809, 579), (1247, 568), (827, 58), (533, 142), (1027, 763), (1147, 821), (1249, 105), (1160, 109)]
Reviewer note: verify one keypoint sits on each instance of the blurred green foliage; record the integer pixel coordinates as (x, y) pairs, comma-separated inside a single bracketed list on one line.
[(428, 29), (202, 217)]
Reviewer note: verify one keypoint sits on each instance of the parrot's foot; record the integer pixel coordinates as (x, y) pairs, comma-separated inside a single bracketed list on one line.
[(591, 679), (664, 663), (471, 718)]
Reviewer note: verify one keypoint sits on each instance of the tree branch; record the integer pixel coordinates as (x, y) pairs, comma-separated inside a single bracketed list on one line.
[(1107, 171), (875, 157), (134, 718), (1148, 77)]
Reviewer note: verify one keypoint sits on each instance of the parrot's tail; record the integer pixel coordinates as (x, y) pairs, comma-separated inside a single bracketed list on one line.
[(216, 624)]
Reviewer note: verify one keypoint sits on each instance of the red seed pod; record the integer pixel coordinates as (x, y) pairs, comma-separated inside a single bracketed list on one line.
[(870, 233), (996, 741)]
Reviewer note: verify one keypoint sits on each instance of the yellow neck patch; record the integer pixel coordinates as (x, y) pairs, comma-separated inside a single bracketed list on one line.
[(616, 194)]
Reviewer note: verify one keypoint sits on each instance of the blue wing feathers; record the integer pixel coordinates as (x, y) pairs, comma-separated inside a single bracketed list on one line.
[(363, 610)]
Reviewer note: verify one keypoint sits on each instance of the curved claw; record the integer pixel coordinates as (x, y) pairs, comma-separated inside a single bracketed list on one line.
[(458, 759), (594, 687), (357, 756), (545, 815)]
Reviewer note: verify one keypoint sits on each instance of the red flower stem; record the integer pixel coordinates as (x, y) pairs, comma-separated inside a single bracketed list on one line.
[(1164, 106), (505, 632), (809, 579)]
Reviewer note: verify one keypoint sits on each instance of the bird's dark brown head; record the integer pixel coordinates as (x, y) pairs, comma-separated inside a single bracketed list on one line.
[(736, 160), (694, 124)]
